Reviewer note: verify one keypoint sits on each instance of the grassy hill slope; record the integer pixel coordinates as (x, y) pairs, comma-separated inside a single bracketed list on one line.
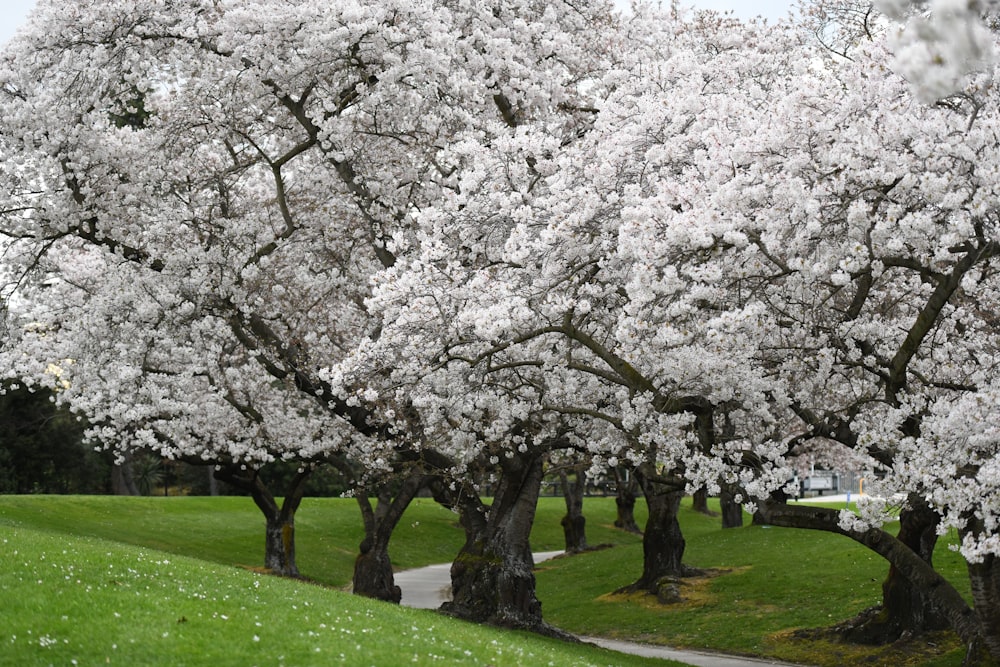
[(71, 600), (767, 582)]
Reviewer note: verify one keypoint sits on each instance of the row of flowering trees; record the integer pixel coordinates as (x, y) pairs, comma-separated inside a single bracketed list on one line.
[(442, 242)]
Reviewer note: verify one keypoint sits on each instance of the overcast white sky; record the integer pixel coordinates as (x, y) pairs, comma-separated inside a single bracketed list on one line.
[(12, 12)]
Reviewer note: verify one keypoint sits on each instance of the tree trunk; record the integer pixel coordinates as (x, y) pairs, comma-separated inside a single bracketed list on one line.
[(949, 603), (985, 580), (699, 502), (732, 511), (472, 512), (905, 608), (777, 496), (279, 532), (122, 479), (626, 487), (492, 576), (662, 542), (213, 483), (373, 575), (574, 523), (279, 544)]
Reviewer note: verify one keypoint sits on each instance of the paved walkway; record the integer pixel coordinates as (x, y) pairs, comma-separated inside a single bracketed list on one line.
[(428, 587)]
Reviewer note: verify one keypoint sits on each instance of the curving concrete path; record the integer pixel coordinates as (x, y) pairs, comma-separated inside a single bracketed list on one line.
[(428, 587)]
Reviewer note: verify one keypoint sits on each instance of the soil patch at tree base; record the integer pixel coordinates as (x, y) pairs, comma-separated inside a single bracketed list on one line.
[(824, 647), (693, 591)]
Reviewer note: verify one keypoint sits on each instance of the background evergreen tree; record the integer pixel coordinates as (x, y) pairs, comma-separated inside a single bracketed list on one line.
[(42, 448)]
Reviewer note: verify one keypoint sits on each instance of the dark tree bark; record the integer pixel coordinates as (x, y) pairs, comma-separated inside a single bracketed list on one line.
[(732, 511), (699, 502), (626, 488), (472, 512), (372, 569), (662, 542), (492, 577), (279, 531), (942, 595), (905, 608), (574, 523), (777, 496), (985, 580)]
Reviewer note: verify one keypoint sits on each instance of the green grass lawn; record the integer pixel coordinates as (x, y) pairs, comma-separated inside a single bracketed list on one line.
[(771, 581), (70, 600), (230, 530)]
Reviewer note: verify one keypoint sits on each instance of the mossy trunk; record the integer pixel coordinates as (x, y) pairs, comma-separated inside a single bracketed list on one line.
[(575, 532), (279, 531), (492, 577), (573, 522), (662, 542), (279, 544), (373, 576), (906, 610)]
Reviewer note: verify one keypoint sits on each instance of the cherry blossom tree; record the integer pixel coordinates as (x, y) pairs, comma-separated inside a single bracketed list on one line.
[(446, 240), (236, 175), (832, 245), (860, 230), (186, 392), (733, 260), (515, 307), (823, 249)]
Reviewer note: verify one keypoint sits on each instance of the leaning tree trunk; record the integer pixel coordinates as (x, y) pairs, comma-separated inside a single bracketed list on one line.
[(777, 496), (662, 542), (574, 523), (626, 490), (492, 577), (905, 608), (279, 530), (941, 593), (372, 569)]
